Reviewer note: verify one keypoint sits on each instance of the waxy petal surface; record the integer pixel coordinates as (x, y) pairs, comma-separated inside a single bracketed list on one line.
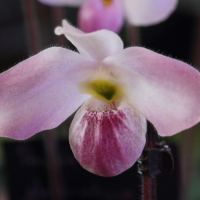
[(148, 12), (96, 45), (165, 90), (107, 139), (41, 92), (63, 2)]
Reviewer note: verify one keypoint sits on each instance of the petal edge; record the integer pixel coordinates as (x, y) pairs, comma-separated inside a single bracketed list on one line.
[(96, 45)]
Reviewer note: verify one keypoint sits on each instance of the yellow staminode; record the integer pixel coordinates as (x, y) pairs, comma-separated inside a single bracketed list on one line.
[(107, 2), (103, 87)]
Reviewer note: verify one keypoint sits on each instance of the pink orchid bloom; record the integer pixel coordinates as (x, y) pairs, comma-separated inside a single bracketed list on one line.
[(119, 89), (109, 14)]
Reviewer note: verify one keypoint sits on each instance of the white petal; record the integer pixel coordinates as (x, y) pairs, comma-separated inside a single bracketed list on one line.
[(165, 90), (41, 92), (96, 45), (148, 12)]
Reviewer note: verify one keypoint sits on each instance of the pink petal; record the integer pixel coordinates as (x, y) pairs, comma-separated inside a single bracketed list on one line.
[(63, 2), (107, 138), (166, 91), (94, 15), (148, 12), (97, 45), (41, 92)]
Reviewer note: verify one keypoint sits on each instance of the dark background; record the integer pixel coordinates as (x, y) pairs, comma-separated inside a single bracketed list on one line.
[(24, 170)]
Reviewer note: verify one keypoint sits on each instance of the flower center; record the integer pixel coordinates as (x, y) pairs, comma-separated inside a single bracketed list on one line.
[(107, 2), (102, 86)]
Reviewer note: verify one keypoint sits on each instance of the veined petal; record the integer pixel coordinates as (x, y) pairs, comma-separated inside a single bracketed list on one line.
[(63, 2), (145, 12), (165, 90), (41, 92), (96, 45), (107, 138)]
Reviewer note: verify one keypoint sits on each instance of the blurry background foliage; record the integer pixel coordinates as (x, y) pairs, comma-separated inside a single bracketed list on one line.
[(177, 37)]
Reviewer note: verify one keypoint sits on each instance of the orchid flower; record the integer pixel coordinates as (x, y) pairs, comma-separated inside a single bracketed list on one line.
[(109, 14), (116, 89)]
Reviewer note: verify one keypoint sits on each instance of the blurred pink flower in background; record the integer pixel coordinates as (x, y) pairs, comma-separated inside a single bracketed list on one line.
[(97, 14), (117, 89), (109, 14)]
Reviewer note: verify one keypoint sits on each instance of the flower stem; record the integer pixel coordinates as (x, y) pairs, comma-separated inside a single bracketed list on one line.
[(133, 35), (149, 188), (31, 25), (56, 185), (149, 183)]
